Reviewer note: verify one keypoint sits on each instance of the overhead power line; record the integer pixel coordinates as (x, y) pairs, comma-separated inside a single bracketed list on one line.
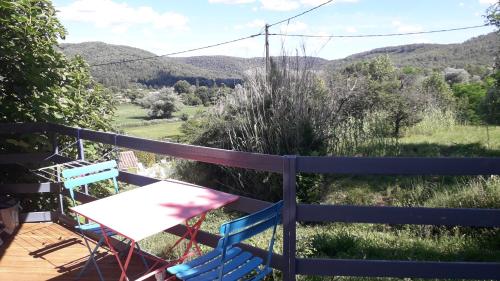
[(378, 35), (179, 52), (303, 13)]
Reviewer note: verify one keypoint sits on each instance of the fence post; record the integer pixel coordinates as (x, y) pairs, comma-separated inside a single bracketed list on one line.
[(289, 216)]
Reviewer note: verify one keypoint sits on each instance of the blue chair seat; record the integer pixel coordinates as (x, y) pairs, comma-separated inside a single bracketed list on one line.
[(237, 264), (94, 228), (227, 262)]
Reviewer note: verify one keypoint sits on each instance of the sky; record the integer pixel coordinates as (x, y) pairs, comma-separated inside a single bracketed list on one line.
[(166, 26)]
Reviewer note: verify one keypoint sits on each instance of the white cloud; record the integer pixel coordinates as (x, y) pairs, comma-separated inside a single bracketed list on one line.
[(231, 2), (119, 17), (487, 2), (319, 2), (351, 29), (461, 4), (257, 23), (279, 5), (406, 27)]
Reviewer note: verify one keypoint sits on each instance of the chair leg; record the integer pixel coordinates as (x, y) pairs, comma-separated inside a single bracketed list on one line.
[(123, 253), (146, 265), (91, 258)]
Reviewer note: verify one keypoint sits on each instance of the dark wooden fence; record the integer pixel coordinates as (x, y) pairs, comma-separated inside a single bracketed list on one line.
[(289, 167)]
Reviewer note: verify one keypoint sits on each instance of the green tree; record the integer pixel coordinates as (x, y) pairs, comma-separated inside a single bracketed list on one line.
[(387, 90), (491, 104), (493, 15), (203, 93), (191, 99), (161, 104), (470, 96), (37, 83), (437, 92), (182, 87)]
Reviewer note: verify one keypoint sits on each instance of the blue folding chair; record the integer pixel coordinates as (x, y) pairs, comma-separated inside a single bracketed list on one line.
[(76, 177), (226, 262)]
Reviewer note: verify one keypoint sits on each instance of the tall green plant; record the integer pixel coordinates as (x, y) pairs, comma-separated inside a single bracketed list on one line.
[(491, 103), (37, 83), (289, 111)]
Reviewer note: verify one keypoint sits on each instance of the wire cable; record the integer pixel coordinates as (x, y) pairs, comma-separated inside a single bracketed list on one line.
[(303, 13), (378, 35), (179, 52)]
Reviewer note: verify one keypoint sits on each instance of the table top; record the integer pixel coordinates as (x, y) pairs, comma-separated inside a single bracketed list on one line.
[(147, 210)]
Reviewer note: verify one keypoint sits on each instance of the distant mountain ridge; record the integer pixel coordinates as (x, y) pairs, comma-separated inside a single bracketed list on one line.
[(207, 70), (479, 50)]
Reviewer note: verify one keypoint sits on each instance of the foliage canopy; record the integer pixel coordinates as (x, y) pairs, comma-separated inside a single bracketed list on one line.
[(37, 82)]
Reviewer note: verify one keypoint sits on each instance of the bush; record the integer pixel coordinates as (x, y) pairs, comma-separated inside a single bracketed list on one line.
[(135, 95), (469, 98), (433, 120), (191, 99), (182, 87), (161, 104), (289, 113), (203, 93)]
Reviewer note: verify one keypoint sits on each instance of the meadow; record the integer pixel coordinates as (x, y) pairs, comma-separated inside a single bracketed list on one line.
[(133, 120)]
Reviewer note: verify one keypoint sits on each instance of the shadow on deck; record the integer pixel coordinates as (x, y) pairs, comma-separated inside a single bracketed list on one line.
[(49, 251)]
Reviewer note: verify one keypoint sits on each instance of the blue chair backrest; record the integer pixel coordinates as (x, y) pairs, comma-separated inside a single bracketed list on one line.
[(243, 228), (79, 176)]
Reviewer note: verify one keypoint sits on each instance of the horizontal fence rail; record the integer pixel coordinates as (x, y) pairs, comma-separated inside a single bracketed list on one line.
[(23, 128), (290, 166), (399, 269), (18, 188), (399, 215), (237, 159), (15, 158), (441, 166)]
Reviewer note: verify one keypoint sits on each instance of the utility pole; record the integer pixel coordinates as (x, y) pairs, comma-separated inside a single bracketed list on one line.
[(267, 49)]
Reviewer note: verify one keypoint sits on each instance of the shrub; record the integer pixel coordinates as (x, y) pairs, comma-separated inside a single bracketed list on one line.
[(288, 113), (433, 120), (161, 104), (182, 87), (203, 93), (191, 99)]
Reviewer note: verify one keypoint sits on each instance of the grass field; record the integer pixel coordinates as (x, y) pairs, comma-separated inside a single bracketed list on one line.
[(133, 120), (458, 140)]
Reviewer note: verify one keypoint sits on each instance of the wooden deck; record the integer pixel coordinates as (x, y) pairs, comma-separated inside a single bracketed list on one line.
[(49, 251)]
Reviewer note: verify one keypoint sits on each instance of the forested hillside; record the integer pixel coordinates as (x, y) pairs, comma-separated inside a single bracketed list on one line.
[(207, 70), (154, 72), (475, 51)]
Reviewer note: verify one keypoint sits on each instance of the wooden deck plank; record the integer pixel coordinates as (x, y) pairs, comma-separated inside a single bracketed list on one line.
[(48, 251)]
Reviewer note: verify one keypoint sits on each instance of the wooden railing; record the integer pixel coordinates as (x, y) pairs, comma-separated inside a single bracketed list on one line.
[(289, 167)]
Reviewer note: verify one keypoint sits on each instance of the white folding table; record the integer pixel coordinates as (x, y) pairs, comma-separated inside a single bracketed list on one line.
[(147, 210)]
